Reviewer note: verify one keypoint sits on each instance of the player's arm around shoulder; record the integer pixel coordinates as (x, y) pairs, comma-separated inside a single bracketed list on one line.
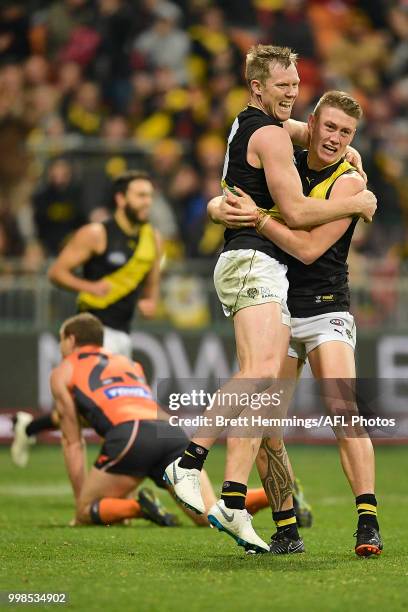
[(88, 241), (147, 304), (72, 441), (298, 132), (347, 184)]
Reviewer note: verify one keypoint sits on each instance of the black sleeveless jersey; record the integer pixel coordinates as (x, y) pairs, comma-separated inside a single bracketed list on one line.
[(322, 286), (124, 264), (239, 173)]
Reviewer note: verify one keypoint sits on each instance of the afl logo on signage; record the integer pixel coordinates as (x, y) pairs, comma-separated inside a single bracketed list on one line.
[(337, 322)]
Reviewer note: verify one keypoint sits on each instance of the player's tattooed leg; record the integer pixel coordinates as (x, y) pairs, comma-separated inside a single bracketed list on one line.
[(275, 473)]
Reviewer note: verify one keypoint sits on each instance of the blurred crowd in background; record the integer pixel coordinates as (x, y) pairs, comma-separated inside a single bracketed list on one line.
[(89, 88)]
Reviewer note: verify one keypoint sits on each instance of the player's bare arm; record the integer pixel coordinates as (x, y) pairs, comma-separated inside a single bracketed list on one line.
[(147, 305), (307, 246), (72, 442), (270, 147), (298, 132), (88, 241)]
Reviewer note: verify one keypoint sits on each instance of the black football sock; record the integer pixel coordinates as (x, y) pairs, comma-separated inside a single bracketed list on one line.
[(367, 510), (233, 494), (194, 457), (286, 521), (40, 424)]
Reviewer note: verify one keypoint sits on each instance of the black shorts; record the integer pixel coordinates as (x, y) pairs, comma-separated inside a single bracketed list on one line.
[(141, 448)]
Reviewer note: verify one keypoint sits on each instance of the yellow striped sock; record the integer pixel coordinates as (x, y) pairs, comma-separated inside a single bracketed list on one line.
[(285, 522), (366, 509), (234, 494)]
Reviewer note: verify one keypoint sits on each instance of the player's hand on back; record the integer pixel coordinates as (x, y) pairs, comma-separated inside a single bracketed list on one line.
[(368, 205), (354, 158), (237, 210)]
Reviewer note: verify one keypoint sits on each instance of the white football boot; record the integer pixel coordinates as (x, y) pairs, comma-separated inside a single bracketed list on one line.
[(237, 524), (186, 486), (21, 444)]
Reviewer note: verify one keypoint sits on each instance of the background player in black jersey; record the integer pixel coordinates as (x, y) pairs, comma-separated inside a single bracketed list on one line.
[(322, 329), (250, 276), (120, 260)]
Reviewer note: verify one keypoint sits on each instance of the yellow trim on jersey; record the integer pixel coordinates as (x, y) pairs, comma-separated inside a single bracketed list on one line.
[(125, 280), (320, 191)]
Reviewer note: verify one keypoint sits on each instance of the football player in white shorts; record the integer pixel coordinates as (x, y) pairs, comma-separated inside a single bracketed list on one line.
[(259, 158), (322, 328)]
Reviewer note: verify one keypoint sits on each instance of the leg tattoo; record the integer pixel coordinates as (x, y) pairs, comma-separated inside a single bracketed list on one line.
[(276, 479)]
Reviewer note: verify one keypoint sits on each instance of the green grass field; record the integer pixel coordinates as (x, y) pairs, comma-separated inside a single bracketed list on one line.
[(147, 568)]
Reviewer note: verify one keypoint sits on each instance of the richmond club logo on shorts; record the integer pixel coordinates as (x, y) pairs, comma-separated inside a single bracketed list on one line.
[(252, 292), (265, 292)]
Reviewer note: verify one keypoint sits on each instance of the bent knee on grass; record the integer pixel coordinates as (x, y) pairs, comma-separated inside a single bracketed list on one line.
[(83, 514)]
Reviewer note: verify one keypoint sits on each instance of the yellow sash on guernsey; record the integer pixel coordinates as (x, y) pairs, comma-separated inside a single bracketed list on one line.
[(320, 191), (125, 280)]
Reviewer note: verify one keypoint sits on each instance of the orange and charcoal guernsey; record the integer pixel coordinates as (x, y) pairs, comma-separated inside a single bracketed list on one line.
[(109, 389)]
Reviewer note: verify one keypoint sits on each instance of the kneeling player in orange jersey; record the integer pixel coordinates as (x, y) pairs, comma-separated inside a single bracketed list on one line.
[(110, 393)]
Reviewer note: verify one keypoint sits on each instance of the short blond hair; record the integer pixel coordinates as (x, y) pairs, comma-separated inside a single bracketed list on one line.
[(341, 100), (259, 58)]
